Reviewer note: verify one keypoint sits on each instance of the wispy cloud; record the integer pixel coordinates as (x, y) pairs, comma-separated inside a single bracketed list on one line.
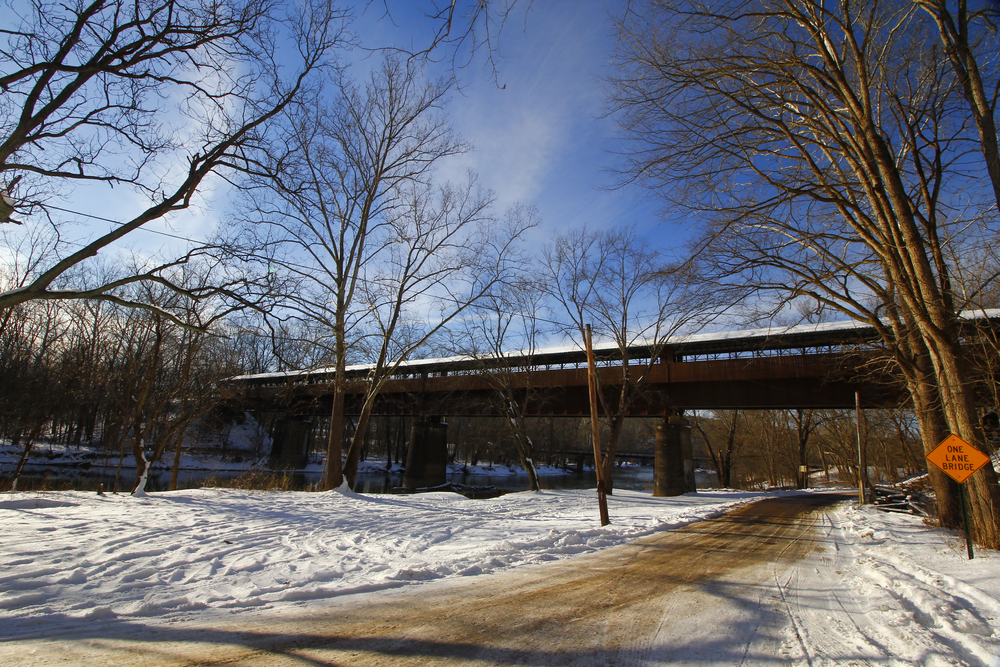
[(542, 139)]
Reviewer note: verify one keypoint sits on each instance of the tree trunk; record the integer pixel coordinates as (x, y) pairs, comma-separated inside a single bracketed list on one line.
[(954, 32), (982, 491), (141, 465), (826, 466), (121, 458), (333, 475), (944, 403), (608, 456), (803, 424), (23, 460), (529, 467), (914, 361), (932, 431), (525, 452), (722, 458), (175, 469), (358, 440)]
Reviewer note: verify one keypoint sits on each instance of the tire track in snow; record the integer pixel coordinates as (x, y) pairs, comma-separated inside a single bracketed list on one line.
[(904, 602), (828, 628)]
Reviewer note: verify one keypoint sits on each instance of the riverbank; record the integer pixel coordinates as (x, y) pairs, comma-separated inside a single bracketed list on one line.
[(60, 468)]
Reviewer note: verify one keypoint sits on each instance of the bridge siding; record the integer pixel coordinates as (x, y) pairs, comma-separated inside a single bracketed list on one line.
[(803, 381)]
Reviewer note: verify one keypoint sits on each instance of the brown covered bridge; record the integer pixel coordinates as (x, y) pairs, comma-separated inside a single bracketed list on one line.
[(829, 365)]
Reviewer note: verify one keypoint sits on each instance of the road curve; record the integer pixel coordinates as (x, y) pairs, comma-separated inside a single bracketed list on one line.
[(707, 593)]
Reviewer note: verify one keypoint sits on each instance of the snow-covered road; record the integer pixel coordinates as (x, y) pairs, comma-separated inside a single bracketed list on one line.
[(83, 574)]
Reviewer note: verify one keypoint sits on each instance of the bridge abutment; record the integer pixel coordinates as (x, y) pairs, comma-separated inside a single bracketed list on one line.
[(427, 456), (673, 465)]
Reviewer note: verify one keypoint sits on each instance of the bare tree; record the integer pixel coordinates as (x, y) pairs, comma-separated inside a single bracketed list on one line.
[(805, 423), (156, 97), (967, 36), (502, 333), (893, 451), (837, 443), (723, 442), (345, 208), (30, 391), (461, 30), (771, 444), (166, 379), (625, 289), (825, 150), (445, 254)]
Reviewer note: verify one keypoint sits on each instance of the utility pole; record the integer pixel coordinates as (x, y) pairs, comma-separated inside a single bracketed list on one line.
[(602, 496), (862, 459)]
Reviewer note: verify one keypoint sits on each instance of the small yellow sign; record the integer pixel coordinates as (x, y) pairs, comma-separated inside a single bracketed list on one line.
[(957, 458)]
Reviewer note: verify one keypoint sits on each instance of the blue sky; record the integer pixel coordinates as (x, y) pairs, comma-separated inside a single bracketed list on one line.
[(538, 127), (540, 137)]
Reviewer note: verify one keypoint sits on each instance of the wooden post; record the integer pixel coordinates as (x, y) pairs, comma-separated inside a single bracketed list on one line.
[(602, 496), (965, 519), (862, 463)]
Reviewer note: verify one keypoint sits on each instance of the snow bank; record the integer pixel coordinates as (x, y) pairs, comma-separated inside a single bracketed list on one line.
[(73, 556), (893, 591)]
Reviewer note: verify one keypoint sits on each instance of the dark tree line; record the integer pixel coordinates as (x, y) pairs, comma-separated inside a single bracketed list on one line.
[(767, 448), (119, 380)]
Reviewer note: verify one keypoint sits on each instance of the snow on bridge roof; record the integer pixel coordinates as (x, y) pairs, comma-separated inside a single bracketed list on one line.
[(797, 336)]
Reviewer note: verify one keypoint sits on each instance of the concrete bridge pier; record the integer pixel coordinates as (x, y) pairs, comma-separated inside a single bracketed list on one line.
[(427, 456), (290, 443), (673, 465)]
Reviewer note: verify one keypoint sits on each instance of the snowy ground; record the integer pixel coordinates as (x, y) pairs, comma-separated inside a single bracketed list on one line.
[(889, 590), (886, 586), (78, 555)]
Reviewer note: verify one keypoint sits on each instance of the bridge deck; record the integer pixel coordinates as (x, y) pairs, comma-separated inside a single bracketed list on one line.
[(808, 381), (807, 366), (733, 344)]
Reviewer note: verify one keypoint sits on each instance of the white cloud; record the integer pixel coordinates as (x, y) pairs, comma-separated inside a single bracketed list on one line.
[(530, 136)]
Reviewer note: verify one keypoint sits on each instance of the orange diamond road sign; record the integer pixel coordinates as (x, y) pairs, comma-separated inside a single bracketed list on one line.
[(957, 458)]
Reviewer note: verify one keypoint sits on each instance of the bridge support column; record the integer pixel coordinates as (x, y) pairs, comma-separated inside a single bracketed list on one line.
[(290, 443), (427, 456), (673, 465)]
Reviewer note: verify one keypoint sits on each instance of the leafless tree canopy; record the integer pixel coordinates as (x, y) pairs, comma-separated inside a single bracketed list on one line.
[(631, 295), (114, 379), (831, 151), (461, 29), (375, 256), (502, 332), (153, 97)]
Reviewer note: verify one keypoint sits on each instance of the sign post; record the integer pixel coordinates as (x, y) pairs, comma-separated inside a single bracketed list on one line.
[(959, 460)]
